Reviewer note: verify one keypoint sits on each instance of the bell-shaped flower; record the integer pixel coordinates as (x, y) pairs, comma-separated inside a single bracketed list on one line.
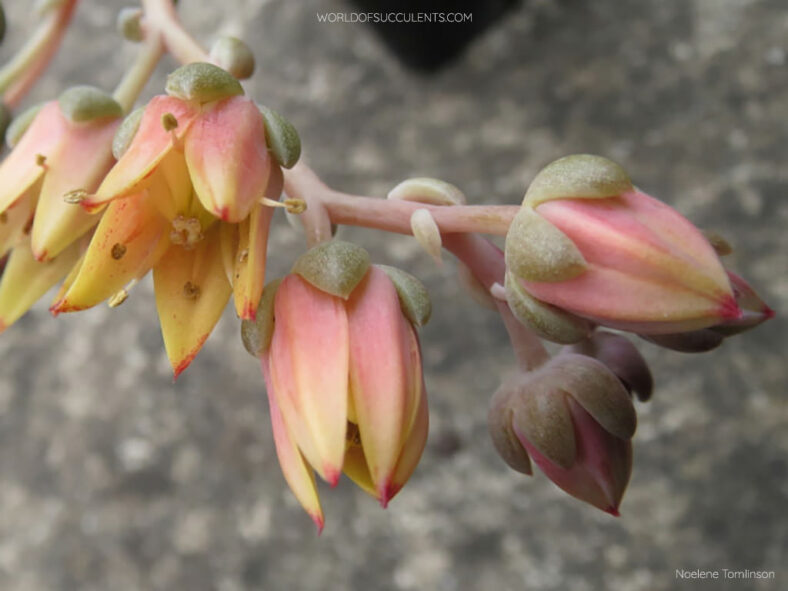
[(587, 246), (59, 149), (342, 366), (224, 139), (184, 162), (575, 420)]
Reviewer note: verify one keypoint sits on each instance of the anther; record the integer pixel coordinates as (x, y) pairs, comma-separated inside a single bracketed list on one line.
[(76, 196), (41, 160), (191, 291), (118, 250), (117, 299)]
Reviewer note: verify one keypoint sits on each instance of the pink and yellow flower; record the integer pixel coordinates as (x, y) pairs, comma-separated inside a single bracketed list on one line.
[(342, 367), (65, 148), (185, 199)]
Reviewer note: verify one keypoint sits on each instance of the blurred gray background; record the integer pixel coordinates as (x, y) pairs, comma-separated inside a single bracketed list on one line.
[(114, 478)]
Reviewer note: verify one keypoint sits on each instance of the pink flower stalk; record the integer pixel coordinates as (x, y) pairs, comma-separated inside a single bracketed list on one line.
[(588, 243), (343, 374), (575, 419)]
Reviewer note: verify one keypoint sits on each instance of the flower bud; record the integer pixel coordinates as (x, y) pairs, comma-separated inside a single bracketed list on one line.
[(129, 24), (427, 233), (586, 241), (233, 55), (574, 419), (427, 190)]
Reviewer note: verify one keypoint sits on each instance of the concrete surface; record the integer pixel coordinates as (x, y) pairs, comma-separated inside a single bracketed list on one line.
[(114, 478)]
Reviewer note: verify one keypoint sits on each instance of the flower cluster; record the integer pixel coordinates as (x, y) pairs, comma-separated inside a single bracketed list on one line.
[(185, 187)]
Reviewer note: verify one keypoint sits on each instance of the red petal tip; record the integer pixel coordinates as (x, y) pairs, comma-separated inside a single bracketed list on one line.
[(768, 312), (249, 312), (40, 256), (613, 511), (224, 214), (332, 475), (729, 309), (3, 325), (186, 361), (319, 522)]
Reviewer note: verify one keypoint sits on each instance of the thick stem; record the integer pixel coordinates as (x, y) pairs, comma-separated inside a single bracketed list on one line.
[(137, 76), (19, 75), (161, 16), (394, 215)]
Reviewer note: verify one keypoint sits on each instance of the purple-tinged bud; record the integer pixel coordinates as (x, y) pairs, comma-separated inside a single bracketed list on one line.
[(575, 420)]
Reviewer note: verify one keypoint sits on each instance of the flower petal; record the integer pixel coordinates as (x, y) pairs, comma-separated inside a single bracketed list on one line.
[(25, 280), (130, 238), (250, 262), (149, 146), (309, 367), (228, 158), (384, 360), (15, 220), (191, 293), (411, 451), (20, 169), (79, 163), (299, 476)]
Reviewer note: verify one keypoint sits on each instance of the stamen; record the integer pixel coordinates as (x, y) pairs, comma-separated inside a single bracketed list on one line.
[(294, 206), (170, 123), (352, 436), (186, 232), (41, 160), (243, 255), (76, 196), (120, 297)]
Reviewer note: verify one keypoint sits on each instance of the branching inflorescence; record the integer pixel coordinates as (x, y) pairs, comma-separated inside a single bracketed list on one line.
[(93, 197)]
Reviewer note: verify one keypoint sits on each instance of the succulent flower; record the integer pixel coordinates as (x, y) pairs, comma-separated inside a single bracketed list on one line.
[(572, 417), (342, 365), (62, 147), (588, 247)]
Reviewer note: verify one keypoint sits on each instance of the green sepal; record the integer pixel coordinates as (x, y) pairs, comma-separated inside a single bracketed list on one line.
[(597, 389), (538, 251), (126, 132), (414, 299), (282, 137), (499, 425), (335, 267), (541, 414), (256, 334), (546, 321), (582, 176), (81, 104), (202, 82), (19, 124)]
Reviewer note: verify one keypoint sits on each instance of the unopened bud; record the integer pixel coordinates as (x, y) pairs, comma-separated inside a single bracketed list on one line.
[(335, 267), (427, 233), (129, 24), (203, 83), (413, 296), (80, 104), (282, 137), (427, 190), (233, 55)]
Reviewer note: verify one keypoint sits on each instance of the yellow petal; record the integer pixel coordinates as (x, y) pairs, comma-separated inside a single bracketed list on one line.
[(191, 293), (131, 237), (250, 262), (25, 280), (15, 220)]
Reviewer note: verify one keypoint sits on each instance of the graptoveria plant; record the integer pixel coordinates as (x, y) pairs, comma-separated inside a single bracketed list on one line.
[(94, 195)]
